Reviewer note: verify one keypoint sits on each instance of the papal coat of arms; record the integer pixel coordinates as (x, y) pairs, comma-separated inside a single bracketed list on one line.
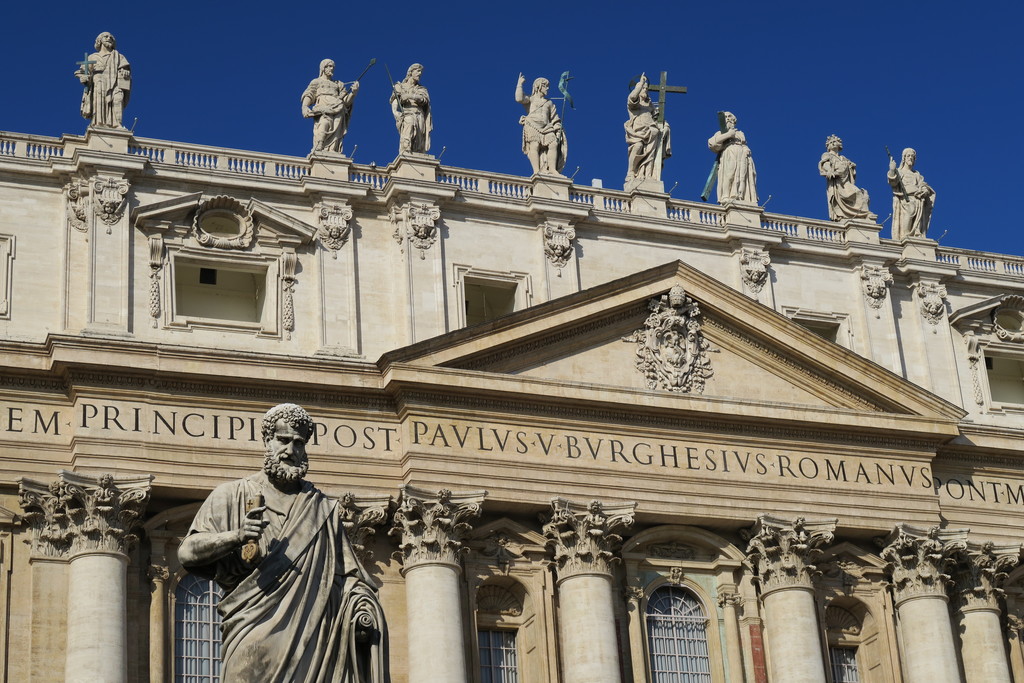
[(671, 350)]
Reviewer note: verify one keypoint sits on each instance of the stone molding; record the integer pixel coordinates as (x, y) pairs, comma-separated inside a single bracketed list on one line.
[(431, 525), (781, 552), (224, 208), (80, 513), (360, 517), (980, 570), (582, 537), (918, 560)]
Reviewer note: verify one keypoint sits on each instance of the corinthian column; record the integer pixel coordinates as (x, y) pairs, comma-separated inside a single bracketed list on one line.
[(980, 572), (918, 560), (781, 552), (94, 519), (583, 542), (431, 526)]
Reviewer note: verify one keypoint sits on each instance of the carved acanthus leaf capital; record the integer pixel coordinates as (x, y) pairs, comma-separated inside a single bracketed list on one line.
[(158, 573), (582, 537), (782, 552), (78, 513), (432, 525), (980, 571), (360, 517), (729, 598), (918, 559)]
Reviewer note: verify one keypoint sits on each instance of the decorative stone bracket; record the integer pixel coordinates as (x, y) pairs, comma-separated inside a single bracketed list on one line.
[(933, 301), (918, 559), (432, 525), (754, 268), (782, 552), (558, 243), (76, 195), (876, 280), (418, 222), (582, 537), (334, 222), (109, 194)]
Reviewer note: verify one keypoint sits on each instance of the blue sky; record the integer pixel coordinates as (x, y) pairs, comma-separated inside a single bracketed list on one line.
[(942, 77)]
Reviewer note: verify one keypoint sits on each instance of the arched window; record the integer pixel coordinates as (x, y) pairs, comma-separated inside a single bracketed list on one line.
[(677, 640), (196, 631)]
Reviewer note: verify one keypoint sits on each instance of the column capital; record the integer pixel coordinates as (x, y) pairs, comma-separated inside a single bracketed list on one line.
[(781, 552), (360, 517), (582, 537), (80, 513), (980, 570), (432, 524), (918, 559)]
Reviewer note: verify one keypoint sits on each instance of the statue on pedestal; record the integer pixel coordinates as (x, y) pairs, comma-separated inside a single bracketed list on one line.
[(845, 199), (544, 140), (410, 103), (107, 78), (645, 136), (737, 179), (329, 104), (912, 198), (298, 606)]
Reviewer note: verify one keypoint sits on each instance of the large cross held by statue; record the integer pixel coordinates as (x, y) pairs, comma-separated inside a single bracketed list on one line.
[(86, 63), (662, 88)]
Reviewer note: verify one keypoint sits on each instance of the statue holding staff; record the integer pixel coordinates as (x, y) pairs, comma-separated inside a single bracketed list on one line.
[(737, 179), (544, 140), (410, 103), (329, 104), (107, 78)]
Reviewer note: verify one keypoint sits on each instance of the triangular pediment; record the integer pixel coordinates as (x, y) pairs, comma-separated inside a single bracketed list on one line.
[(757, 357)]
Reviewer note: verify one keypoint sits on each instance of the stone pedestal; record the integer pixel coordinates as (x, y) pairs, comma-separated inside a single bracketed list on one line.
[(583, 541), (431, 526), (782, 551)]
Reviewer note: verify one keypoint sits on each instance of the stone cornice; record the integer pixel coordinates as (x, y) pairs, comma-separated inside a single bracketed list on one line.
[(431, 525), (781, 552), (918, 560), (582, 537)]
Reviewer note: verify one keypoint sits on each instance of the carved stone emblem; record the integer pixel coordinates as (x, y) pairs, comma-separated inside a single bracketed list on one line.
[(1008, 319), (502, 549), (676, 575), (76, 193), (671, 350), (582, 538), (558, 244), (754, 268), (335, 225), (933, 305), (876, 280), (109, 194), (223, 223), (418, 222)]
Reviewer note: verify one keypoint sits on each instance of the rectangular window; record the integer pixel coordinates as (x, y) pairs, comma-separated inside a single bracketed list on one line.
[(825, 330), (1005, 379), (835, 327), (498, 663), (844, 664), (487, 300), (219, 293)]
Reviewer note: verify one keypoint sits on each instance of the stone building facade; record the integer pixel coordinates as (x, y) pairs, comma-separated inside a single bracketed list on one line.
[(580, 435)]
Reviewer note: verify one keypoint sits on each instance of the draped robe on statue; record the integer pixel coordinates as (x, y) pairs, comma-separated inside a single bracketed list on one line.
[(109, 77), (294, 616)]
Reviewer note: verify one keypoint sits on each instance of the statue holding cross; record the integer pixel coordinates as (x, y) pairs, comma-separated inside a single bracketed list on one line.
[(648, 136), (107, 78)]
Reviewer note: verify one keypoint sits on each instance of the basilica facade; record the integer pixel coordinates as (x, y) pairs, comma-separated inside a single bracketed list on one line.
[(576, 434)]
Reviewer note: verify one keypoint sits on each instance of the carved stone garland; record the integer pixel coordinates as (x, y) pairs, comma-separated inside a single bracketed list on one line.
[(980, 573), (431, 526), (335, 225), (418, 222), (671, 350), (876, 280), (224, 211), (288, 263), (918, 559), (78, 512), (359, 517), (76, 194), (156, 263), (558, 244), (782, 552), (109, 194), (933, 305), (754, 268), (582, 538), (974, 359)]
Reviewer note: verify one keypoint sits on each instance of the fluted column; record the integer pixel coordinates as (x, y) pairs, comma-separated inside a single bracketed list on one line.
[(728, 600), (584, 544), (431, 526), (782, 553), (918, 560), (980, 572)]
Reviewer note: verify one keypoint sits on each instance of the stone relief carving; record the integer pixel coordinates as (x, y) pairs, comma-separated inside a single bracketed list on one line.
[(737, 179), (933, 304), (981, 570), (974, 360), (78, 513), (754, 268), (492, 599), (288, 279), (727, 597), (109, 195), (876, 280), (1008, 319), (410, 103), (782, 552), (502, 549), (329, 104), (846, 573), (76, 194), (912, 198), (558, 244), (544, 142), (360, 516), (582, 538), (676, 575), (418, 222), (672, 551), (918, 559), (845, 199), (222, 222), (431, 526), (841, 621), (156, 264), (107, 78), (671, 350), (334, 225), (648, 141)]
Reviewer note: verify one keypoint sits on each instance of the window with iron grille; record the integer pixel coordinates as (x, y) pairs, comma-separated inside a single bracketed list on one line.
[(196, 631), (677, 640), (498, 662), (844, 664)]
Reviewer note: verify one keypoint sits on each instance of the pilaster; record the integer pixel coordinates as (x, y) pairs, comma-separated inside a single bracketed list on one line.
[(361, 516)]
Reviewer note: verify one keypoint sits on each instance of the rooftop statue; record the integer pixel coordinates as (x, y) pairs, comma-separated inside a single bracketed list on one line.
[(647, 138), (845, 199), (737, 179), (544, 140), (329, 104), (410, 103), (912, 198), (298, 606), (107, 78)]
